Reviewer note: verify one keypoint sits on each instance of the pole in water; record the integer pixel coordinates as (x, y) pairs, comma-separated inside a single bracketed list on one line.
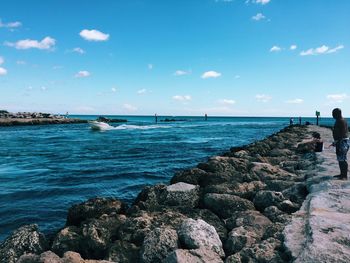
[(206, 117), (156, 118)]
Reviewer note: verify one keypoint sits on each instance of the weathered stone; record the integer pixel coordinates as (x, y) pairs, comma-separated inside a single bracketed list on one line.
[(248, 218), (276, 215), (265, 199), (191, 176), (266, 171), (151, 197), (158, 244), (182, 194), (94, 208), (278, 185), (200, 255), (67, 239), (135, 229), (224, 205), (123, 252), (239, 238), (26, 239), (195, 234), (288, 206), (264, 252)]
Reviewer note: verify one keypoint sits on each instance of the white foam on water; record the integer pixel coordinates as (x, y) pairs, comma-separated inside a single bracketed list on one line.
[(139, 127)]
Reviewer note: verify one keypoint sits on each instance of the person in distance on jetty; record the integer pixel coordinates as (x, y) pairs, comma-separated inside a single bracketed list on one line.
[(341, 142)]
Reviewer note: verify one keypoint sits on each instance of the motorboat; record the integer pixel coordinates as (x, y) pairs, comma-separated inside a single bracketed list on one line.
[(99, 126)]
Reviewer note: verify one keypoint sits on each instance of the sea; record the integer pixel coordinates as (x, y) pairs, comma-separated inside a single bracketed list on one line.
[(45, 169)]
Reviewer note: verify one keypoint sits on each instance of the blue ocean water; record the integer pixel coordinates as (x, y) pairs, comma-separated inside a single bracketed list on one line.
[(45, 169)]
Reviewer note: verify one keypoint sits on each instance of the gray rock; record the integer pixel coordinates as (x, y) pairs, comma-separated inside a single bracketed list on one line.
[(191, 176), (67, 239), (276, 215), (200, 255), (195, 234), (26, 239), (239, 238), (123, 252), (288, 206), (248, 218), (265, 199), (182, 194), (94, 208), (264, 252), (158, 244), (224, 205)]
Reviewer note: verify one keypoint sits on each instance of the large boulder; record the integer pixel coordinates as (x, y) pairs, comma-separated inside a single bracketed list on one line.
[(265, 199), (158, 244), (182, 194), (123, 252), (195, 234), (94, 208), (224, 205), (251, 218), (151, 197), (200, 255), (265, 171), (68, 239), (276, 215), (26, 239), (240, 237), (191, 176)]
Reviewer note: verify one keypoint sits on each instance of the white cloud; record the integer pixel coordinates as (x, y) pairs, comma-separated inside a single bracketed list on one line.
[(3, 71), (181, 72), (20, 62), (293, 47), (79, 50), (2, 60), (321, 50), (263, 2), (114, 89), (210, 74), (43, 88), (150, 66), (275, 49), (227, 102), (10, 24), (237, 77), (129, 107), (338, 98), (295, 101), (142, 91), (93, 35), (29, 88), (82, 74), (182, 97), (258, 17), (46, 43), (263, 98)]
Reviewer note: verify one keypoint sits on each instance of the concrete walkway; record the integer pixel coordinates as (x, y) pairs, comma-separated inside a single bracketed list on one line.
[(320, 230)]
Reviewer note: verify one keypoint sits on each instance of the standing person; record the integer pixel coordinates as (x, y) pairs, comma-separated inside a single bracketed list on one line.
[(291, 121), (341, 142), (299, 120)]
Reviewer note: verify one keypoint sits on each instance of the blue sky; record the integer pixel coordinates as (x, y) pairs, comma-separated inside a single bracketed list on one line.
[(220, 57)]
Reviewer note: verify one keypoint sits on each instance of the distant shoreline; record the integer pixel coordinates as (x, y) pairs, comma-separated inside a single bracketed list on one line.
[(38, 121)]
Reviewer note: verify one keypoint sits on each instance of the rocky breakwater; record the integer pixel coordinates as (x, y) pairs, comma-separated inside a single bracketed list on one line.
[(232, 208), (38, 121)]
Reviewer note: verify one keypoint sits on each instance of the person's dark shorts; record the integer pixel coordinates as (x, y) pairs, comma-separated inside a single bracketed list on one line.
[(342, 148)]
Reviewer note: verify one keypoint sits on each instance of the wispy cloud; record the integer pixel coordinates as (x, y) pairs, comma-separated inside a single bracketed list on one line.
[(181, 72), (2, 60), (258, 17), (263, 98), (20, 62), (227, 102), (182, 97), (210, 74), (275, 49), (82, 74), (150, 66), (10, 25), (261, 2), (237, 77), (293, 47), (142, 91), (43, 88), (295, 101), (321, 50), (46, 43), (93, 35), (79, 50), (3, 71), (114, 89), (337, 98), (129, 107)]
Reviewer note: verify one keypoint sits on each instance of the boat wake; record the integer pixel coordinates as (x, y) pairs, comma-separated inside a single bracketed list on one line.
[(102, 126)]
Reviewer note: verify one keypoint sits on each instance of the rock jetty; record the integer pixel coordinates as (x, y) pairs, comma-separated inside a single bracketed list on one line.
[(232, 208)]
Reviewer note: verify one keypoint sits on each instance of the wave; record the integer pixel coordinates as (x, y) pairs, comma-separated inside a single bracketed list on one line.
[(139, 127)]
